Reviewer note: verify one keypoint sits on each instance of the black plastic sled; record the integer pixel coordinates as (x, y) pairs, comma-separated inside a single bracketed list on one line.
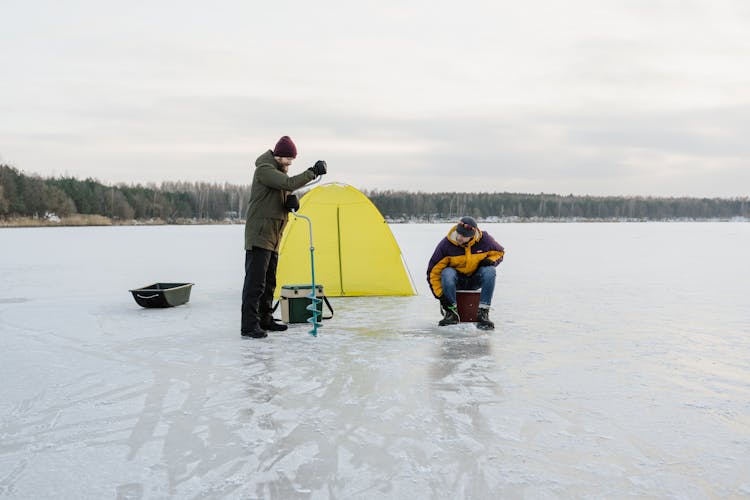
[(162, 294)]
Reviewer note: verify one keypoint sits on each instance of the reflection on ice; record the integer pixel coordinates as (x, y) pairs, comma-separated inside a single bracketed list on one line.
[(379, 411)]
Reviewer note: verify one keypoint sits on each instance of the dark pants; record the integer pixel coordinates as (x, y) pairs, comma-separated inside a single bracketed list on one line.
[(260, 284)]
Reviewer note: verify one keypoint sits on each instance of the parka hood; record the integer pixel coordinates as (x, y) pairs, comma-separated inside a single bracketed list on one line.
[(266, 159)]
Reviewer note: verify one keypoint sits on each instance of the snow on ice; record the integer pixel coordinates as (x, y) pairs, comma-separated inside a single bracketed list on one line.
[(618, 368)]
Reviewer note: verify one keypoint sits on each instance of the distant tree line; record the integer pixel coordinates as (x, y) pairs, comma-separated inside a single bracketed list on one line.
[(397, 205), (32, 196)]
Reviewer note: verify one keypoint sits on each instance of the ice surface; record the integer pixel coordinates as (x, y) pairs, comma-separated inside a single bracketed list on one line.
[(618, 368)]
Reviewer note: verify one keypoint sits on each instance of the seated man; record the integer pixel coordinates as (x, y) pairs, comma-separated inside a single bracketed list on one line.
[(464, 260)]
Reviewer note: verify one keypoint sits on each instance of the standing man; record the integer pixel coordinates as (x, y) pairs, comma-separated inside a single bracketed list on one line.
[(465, 260), (267, 212)]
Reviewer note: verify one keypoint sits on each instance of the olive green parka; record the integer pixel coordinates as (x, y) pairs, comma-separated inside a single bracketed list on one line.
[(266, 214)]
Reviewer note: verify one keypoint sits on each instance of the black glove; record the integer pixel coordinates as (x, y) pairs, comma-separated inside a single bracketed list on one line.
[(291, 203), (319, 168), (486, 262)]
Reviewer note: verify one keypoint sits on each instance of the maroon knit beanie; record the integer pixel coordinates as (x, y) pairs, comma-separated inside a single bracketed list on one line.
[(285, 148)]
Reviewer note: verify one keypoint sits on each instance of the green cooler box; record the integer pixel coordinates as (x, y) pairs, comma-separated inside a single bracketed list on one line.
[(294, 302)]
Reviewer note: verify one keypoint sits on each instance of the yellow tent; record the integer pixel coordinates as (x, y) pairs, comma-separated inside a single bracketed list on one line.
[(355, 251)]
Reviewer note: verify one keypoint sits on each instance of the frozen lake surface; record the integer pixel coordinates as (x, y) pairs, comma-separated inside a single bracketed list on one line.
[(619, 367)]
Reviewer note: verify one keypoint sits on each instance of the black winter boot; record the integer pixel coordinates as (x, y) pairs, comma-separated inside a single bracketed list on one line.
[(255, 332), (450, 315), (267, 322), (483, 319)]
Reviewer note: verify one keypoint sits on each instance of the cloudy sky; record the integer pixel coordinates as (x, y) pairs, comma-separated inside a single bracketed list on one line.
[(602, 97)]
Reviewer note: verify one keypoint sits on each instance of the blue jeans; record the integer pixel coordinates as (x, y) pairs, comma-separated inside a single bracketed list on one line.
[(483, 278)]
